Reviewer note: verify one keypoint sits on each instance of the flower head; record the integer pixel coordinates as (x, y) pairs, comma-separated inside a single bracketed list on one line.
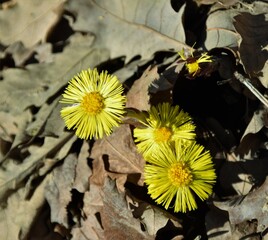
[(96, 104), (176, 175), (165, 124), (192, 63)]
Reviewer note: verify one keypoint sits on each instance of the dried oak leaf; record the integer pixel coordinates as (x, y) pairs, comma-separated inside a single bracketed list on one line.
[(91, 227), (117, 219), (220, 31), (130, 27), (138, 95), (13, 174), (17, 216), (29, 21), (36, 83), (118, 155), (253, 31), (249, 207), (58, 190), (251, 139)]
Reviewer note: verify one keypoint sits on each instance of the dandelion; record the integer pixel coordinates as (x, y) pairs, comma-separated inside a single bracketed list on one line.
[(96, 104), (192, 63), (165, 124), (175, 176)]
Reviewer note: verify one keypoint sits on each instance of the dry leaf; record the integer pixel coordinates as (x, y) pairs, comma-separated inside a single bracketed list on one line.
[(34, 85), (151, 217), (138, 95), (16, 218), (117, 219), (220, 30), (130, 27), (33, 21), (249, 207), (13, 174), (8, 126), (58, 190), (82, 170), (91, 227), (253, 30), (119, 154)]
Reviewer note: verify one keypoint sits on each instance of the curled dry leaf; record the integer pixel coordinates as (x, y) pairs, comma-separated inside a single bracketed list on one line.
[(82, 170)]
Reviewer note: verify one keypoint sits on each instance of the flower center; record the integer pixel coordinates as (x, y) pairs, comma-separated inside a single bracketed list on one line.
[(93, 103), (193, 67), (162, 134), (180, 175)]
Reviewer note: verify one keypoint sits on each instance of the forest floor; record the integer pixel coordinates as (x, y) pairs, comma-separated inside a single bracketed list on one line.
[(54, 185)]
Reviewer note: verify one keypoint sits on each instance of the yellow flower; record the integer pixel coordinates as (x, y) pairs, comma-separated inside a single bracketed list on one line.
[(165, 124), (174, 176), (193, 63), (96, 104)]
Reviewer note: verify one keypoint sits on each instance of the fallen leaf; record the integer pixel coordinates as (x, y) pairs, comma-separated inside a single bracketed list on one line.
[(119, 155), (36, 83), (144, 27), (253, 31), (82, 170), (16, 217), (138, 95), (249, 207), (13, 174), (117, 219), (91, 227), (220, 31), (58, 190), (33, 21)]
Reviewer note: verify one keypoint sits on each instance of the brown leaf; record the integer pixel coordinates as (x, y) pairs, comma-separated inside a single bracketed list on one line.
[(118, 155), (117, 220), (58, 190), (138, 95), (17, 216), (36, 83), (82, 170), (253, 30), (220, 30), (33, 21), (252, 206), (132, 27), (251, 139), (90, 225)]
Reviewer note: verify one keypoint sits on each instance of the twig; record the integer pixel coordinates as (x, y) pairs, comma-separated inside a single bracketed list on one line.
[(249, 85)]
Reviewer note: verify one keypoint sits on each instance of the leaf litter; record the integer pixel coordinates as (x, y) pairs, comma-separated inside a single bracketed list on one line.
[(95, 189)]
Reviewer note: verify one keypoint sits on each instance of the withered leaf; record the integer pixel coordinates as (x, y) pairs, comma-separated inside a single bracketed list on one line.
[(117, 219), (36, 83), (58, 190), (119, 154), (33, 21), (253, 30), (138, 95), (16, 217), (132, 27), (249, 207)]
